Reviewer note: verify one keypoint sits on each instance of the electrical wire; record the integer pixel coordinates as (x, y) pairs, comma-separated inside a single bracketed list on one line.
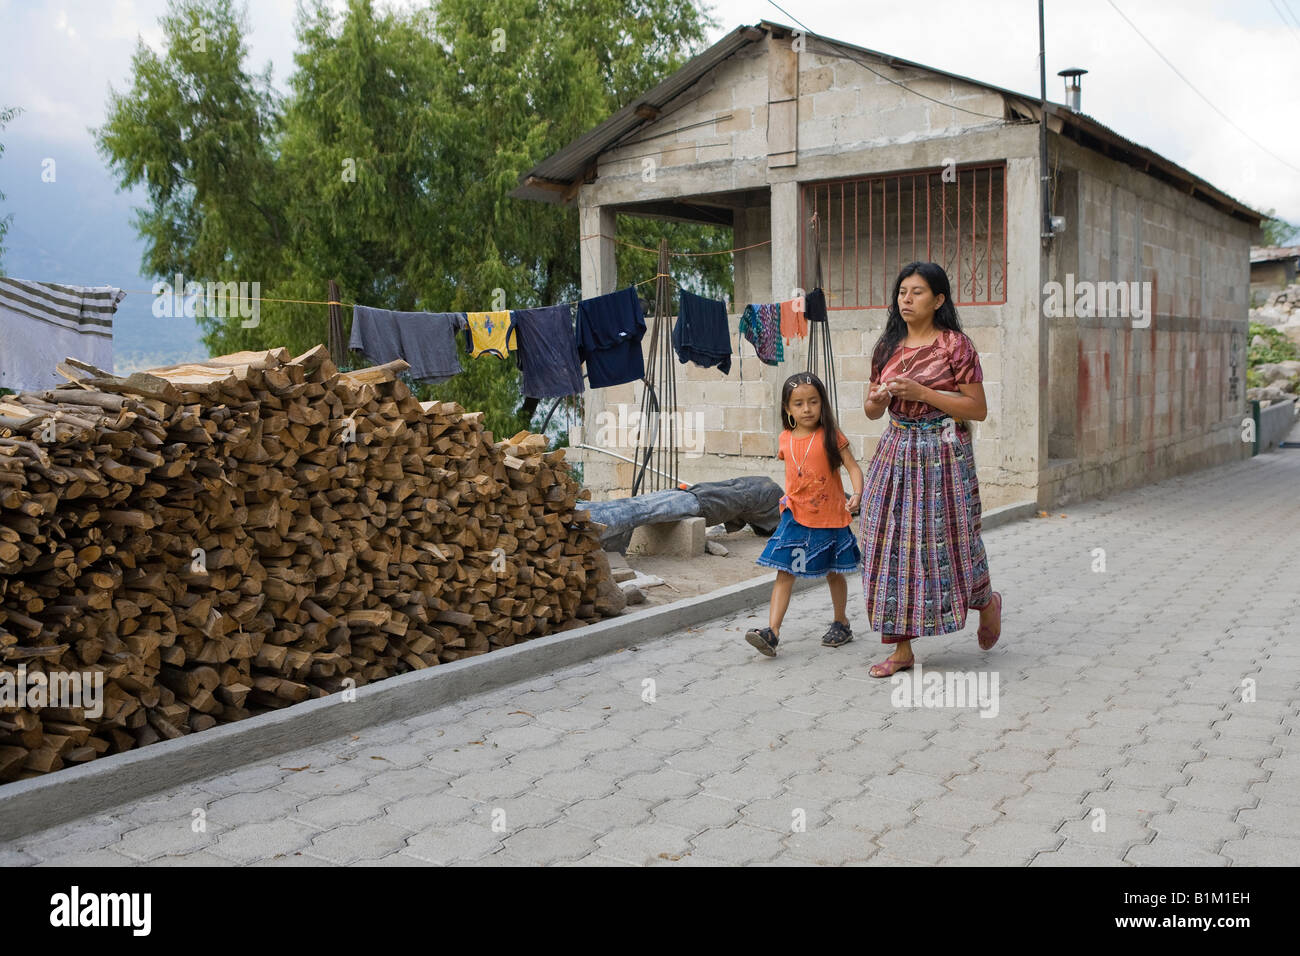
[(838, 51), (1193, 88), (1285, 21)]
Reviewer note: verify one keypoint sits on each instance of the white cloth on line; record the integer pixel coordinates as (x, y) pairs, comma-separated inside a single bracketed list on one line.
[(44, 323)]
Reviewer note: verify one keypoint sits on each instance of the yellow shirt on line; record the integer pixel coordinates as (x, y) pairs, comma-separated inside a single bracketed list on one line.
[(488, 334)]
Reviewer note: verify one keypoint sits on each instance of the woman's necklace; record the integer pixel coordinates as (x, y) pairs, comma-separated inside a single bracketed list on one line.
[(799, 467), (907, 362)]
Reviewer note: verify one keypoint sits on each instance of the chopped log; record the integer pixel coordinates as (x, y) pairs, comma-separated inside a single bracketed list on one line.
[(215, 539)]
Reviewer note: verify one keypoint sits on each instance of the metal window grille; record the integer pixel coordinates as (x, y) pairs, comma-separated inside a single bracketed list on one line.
[(871, 227)]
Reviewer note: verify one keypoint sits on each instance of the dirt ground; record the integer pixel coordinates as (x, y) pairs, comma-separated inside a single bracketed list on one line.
[(689, 577)]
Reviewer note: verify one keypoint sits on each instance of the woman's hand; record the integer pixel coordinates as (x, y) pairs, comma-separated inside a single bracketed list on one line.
[(907, 390), (854, 502), (878, 395)]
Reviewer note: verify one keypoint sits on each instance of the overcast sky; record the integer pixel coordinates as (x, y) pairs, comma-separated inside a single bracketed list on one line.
[(1244, 55)]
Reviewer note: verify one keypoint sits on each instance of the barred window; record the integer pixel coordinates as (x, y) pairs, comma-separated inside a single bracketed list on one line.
[(870, 227)]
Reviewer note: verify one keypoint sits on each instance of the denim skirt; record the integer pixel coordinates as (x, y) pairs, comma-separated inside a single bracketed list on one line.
[(810, 552)]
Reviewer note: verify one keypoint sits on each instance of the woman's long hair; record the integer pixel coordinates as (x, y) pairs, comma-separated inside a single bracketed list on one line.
[(945, 317), (830, 430)]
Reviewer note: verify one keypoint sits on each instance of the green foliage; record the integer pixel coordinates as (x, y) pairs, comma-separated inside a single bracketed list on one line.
[(197, 132), (1275, 348), (1278, 232), (710, 276), (388, 163), (7, 115)]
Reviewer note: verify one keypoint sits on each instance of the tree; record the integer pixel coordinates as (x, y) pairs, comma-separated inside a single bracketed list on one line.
[(7, 115), (1278, 232), (388, 164)]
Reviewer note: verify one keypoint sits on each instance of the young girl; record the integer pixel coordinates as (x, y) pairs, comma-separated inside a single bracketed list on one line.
[(924, 559), (813, 539)]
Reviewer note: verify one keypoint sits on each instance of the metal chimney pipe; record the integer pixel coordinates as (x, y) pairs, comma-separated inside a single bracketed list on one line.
[(1073, 87)]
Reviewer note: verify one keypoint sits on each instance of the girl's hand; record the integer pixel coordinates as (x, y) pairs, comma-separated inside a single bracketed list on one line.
[(907, 390), (854, 502)]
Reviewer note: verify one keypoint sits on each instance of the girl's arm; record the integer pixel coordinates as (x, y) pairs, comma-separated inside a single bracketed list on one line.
[(855, 475)]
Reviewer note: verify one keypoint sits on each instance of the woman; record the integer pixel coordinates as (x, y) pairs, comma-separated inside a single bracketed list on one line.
[(923, 558)]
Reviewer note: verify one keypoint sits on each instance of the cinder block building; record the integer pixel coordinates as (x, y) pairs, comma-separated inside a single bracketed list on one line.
[(1092, 385)]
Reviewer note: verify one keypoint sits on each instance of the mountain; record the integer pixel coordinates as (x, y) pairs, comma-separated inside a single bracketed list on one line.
[(78, 230)]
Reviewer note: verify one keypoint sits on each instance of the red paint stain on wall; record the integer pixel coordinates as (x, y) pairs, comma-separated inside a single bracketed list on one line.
[(1151, 402), (1173, 344), (1084, 391)]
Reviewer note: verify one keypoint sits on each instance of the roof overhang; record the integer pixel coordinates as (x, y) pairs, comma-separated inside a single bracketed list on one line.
[(558, 178)]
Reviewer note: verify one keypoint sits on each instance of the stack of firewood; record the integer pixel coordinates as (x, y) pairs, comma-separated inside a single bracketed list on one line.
[(212, 541)]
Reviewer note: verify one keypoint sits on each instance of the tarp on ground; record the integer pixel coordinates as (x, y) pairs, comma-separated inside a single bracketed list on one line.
[(751, 500), (734, 503)]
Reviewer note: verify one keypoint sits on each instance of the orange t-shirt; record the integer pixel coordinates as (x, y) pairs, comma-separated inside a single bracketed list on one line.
[(794, 323), (815, 497)]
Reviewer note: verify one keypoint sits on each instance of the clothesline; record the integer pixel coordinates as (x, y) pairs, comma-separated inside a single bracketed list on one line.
[(349, 305), (633, 245)]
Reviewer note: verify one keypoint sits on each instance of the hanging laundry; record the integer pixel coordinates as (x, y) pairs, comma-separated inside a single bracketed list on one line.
[(794, 325), (43, 323), (425, 340), (547, 353), (761, 324), (609, 333), (700, 334), (488, 334), (815, 306)]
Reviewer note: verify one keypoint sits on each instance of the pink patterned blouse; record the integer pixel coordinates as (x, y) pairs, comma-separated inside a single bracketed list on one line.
[(949, 361)]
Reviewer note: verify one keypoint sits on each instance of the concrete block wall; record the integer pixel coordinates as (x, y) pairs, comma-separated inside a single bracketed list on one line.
[(843, 104), (1148, 402), (734, 95)]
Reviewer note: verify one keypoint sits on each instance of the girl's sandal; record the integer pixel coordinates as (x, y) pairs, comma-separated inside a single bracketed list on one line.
[(988, 636), (887, 668), (838, 635)]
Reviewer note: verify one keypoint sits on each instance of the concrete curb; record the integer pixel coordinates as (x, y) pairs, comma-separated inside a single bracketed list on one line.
[(27, 806), (998, 517)]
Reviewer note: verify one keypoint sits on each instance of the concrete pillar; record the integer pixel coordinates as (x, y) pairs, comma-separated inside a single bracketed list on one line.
[(785, 240), (1023, 428), (599, 273), (599, 276)]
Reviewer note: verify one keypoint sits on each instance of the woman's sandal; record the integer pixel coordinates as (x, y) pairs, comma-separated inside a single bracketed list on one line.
[(988, 636), (888, 668)]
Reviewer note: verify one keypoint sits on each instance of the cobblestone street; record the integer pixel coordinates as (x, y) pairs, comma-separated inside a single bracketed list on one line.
[(1121, 736)]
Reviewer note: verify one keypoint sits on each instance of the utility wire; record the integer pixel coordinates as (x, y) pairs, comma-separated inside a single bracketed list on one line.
[(1193, 88), (836, 50), (1287, 4), (1285, 22)]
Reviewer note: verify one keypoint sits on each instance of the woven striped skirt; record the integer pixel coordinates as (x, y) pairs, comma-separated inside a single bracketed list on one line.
[(923, 561)]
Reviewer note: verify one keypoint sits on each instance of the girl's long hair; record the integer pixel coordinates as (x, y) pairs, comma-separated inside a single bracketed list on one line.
[(830, 430), (945, 317)]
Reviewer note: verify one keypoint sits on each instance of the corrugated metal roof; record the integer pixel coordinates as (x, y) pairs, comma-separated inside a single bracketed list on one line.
[(555, 179), (1273, 253)]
